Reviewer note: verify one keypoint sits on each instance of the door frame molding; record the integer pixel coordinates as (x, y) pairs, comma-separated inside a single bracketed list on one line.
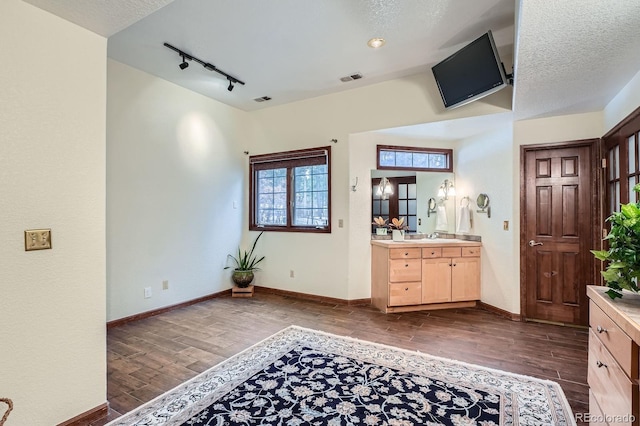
[(596, 211)]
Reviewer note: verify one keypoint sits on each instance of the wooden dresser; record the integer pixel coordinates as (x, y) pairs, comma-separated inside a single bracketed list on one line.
[(424, 274), (614, 336)]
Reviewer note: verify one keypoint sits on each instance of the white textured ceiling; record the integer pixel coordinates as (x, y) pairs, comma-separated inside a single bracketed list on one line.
[(571, 56)]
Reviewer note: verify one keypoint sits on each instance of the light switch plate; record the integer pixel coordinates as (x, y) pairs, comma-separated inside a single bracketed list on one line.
[(37, 239)]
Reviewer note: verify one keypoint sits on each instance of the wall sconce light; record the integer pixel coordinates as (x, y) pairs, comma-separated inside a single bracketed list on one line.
[(384, 189), (446, 189)]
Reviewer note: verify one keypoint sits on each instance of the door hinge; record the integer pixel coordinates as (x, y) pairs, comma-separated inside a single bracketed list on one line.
[(604, 233), (604, 163)]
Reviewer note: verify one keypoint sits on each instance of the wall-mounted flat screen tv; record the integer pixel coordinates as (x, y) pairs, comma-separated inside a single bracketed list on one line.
[(471, 73)]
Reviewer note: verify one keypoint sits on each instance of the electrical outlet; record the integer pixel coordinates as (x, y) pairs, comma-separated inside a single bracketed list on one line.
[(340, 223), (165, 285), (147, 292), (37, 239), (505, 225)]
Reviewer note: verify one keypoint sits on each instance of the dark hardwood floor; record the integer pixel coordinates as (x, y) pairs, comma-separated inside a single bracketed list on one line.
[(148, 357)]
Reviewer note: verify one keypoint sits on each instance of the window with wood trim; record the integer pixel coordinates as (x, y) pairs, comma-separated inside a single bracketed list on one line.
[(391, 157), (402, 203), (290, 191), (621, 152)]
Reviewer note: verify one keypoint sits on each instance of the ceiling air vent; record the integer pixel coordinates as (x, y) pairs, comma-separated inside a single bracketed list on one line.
[(262, 99), (356, 76)]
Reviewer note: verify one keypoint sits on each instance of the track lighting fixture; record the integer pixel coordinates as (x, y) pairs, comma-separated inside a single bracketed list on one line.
[(185, 56), (184, 63)]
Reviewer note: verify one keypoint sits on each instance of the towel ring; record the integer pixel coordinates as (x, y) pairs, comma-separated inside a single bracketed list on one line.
[(464, 202)]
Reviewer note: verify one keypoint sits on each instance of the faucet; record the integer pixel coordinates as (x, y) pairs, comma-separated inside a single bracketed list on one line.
[(433, 236)]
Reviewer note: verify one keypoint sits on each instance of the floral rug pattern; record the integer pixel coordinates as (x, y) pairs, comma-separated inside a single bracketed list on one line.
[(304, 377)]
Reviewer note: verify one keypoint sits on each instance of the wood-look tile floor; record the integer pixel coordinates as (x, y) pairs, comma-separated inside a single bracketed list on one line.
[(148, 357)]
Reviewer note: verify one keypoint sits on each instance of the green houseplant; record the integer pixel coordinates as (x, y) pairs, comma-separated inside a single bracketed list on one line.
[(623, 255), (245, 263)]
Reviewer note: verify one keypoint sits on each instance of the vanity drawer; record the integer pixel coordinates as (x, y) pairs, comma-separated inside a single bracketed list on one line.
[(429, 253), (404, 253), (404, 270), (451, 251), (614, 393), (470, 251), (409, 293), (614, 339)]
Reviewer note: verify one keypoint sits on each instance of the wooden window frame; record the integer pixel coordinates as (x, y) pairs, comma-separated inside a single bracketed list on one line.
[(447, 152), (289, 160)]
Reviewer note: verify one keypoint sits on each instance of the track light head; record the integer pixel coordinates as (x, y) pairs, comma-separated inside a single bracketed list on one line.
[(230, 87), (184, 63)]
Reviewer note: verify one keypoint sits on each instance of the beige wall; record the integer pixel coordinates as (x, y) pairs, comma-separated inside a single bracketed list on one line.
[(175, 191), (52, 175)]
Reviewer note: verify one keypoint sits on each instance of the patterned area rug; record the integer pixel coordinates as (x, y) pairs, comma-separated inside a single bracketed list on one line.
[(304, 377)]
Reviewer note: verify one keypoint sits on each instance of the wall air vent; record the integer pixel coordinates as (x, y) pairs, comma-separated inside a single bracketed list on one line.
[(262, 99), (356, 76)]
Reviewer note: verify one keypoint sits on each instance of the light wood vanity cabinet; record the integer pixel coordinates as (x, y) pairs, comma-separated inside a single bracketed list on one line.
[(409, 276), (612, 373)]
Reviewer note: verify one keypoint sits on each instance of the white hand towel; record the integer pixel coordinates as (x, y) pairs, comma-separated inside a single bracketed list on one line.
[(464, 220), (441, 219)]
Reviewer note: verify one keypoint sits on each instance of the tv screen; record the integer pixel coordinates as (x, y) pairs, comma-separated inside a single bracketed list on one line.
[(471, 73)]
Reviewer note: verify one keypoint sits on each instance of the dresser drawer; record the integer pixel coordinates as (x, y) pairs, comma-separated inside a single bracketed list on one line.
[(470, 251), (401, 294), (614, 393), (404, 253), (596, 416), (615, 340), (430, 253), (451, 251), (404, 270)]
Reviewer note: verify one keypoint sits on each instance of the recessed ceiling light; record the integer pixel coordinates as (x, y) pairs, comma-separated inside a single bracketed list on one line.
[(376, 42)]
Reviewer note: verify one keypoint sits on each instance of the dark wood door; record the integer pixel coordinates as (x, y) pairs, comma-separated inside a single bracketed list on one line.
[(558, 233)]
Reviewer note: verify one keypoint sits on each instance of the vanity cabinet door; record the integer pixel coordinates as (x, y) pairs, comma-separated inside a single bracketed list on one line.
[(465, 279), (436, 280)]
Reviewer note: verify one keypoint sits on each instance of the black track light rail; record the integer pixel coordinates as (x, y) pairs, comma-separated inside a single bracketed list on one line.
[(207, 65)]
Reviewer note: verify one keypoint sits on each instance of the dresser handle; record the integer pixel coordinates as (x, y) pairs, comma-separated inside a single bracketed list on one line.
[(406, 289), (406, 254), (406, 265), (432, 253), (600, 364), (601, 330)]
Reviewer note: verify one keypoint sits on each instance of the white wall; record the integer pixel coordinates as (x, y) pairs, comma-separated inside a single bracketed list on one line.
[(175, 191), (483, 166), (623, 104), (337, 264), (52, 175)]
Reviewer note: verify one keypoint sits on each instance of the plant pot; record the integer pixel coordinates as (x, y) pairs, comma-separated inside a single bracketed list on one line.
[(242, 278), (397, 235), (381, 231)]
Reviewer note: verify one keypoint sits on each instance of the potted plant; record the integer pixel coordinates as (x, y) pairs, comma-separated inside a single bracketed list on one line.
[(245, 263), (623, 255), (381, 225), (398, 227)]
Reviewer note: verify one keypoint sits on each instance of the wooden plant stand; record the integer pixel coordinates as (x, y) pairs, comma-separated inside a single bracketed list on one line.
[(242, 292)]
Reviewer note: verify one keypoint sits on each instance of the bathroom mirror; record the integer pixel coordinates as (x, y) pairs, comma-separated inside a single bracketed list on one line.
[(482, 201), (418, 202), (431, 206)]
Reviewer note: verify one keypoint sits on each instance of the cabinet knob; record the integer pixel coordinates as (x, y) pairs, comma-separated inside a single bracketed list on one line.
[(406, 289), (406, 254), (432, 253), (600, 364), (454, 264), (601, 330), (406, 265)]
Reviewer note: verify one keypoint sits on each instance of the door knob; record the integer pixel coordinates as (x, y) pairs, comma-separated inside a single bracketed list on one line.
[(534, 243)]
